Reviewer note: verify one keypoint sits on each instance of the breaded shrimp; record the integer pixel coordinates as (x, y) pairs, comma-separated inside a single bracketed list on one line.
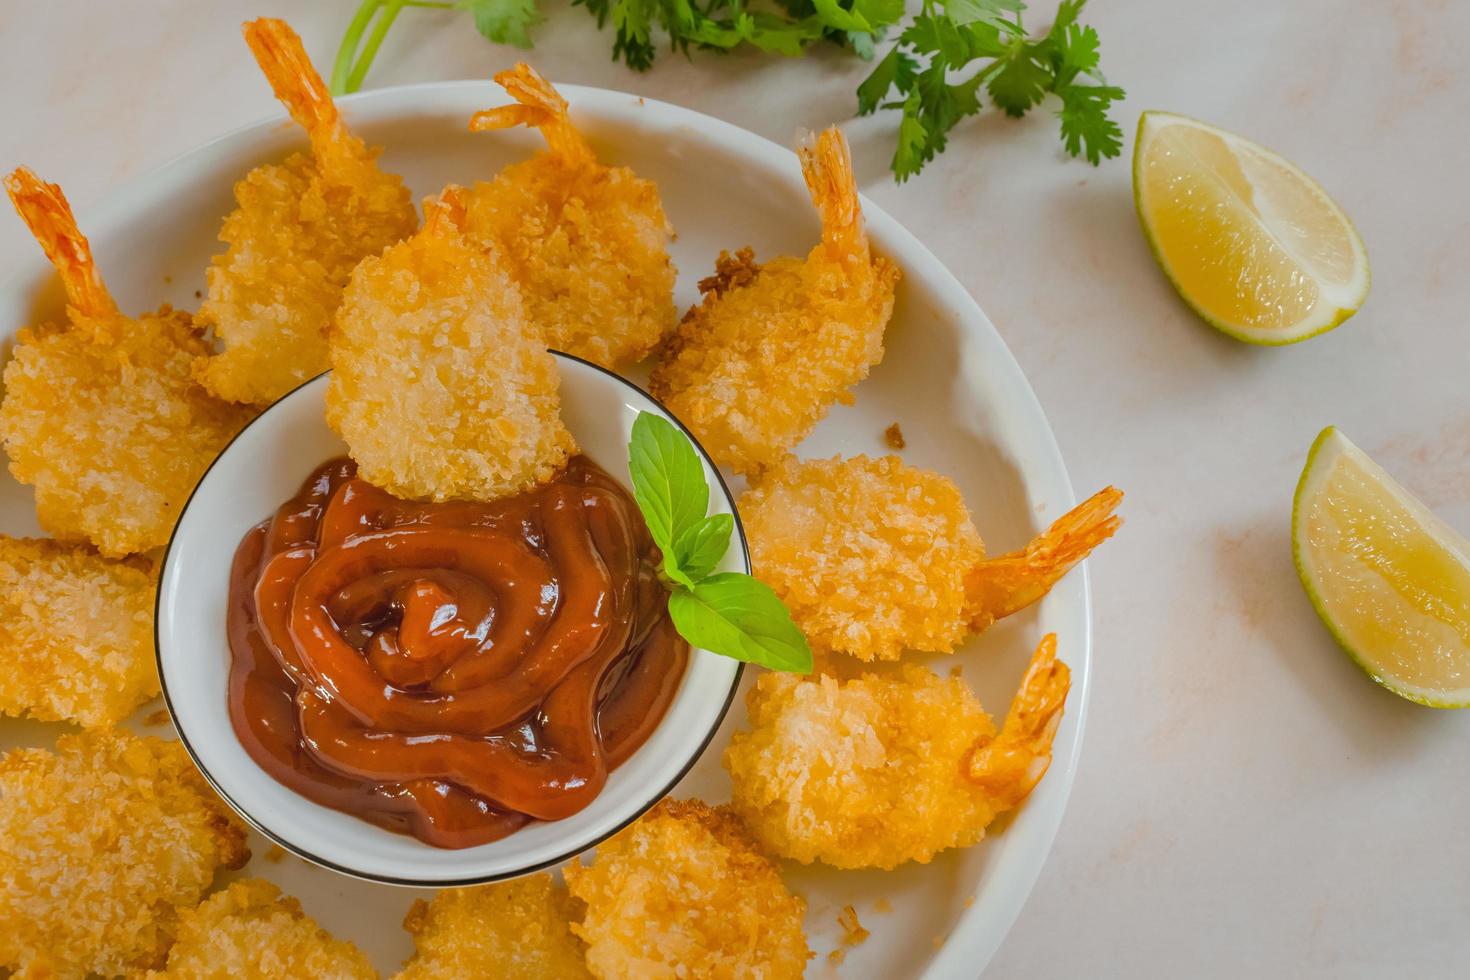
[(588, 244), (76, 633), (102, 415), (101, 844), (298, 229), (887, 768), (684, 893), (873, 556), (440, 386), (516, 930), (251, 930), (756, 365)]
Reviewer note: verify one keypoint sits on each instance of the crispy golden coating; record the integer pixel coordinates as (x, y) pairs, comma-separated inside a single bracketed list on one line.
[(518, 930), (883, 769), (869, 555), (684, 893), (77, 633), (101, 844), (588, 244), (251, 930), (298, 229), (102, 415), (755, 366), (440, 386), (873, 556)]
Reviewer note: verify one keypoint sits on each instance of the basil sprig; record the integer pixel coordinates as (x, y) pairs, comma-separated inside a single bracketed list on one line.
[(728, 613)]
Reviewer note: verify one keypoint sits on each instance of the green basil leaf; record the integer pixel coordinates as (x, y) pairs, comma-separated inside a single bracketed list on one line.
[(699, 549), (668, 480), (737, 616)]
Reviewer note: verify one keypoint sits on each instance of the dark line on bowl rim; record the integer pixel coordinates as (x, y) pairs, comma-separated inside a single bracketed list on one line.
[(440, 882)]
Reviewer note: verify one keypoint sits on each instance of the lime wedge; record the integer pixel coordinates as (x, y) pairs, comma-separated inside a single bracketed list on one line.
[(1252, 244), (1390, 580)]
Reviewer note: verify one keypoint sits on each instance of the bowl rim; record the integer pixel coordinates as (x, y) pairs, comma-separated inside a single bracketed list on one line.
[(478, 879)]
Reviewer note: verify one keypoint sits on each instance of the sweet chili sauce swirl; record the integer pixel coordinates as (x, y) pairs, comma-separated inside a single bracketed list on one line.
[(454, 670)]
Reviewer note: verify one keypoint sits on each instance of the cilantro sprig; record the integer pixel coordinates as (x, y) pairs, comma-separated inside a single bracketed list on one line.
[(950, 53), (1016, 70), (728, 613), (785, 27)]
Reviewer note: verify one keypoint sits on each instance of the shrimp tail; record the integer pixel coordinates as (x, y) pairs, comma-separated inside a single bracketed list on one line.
[(998, 587), (444, 215), (537, 104), (295, 82), (43, 208), (1007, 767), (826, 164)]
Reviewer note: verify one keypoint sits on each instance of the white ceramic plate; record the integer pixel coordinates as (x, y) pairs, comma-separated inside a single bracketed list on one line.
[(266, 465), (964, 405)]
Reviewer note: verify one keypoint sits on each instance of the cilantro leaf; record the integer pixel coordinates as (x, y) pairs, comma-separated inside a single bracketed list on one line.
[(963, 12), (740, 617), (1021, 83), (1086, 126), (699, 549), (896, 68), (668, 482), (909, 158), (504, 21)]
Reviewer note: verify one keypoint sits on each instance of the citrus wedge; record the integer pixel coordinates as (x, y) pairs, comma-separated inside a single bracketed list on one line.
[(1252, 244), (1390, 580)]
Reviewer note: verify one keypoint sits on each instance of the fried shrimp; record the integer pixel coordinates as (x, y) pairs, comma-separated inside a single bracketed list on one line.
[(760, 361), (77, 631), (518, 930), (588, 244), (101, 414), (874, 557), (440, 386), (297, 231), (887, 768), (101, 844), (251, 930), (684, 893)]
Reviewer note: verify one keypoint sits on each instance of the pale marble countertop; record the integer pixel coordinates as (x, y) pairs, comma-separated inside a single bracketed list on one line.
[(1248, 803)]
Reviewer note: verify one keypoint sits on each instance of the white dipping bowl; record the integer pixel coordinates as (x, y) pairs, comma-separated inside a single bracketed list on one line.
[(265, 466)]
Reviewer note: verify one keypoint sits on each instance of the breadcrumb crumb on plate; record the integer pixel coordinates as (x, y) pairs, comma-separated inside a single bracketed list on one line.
[(251, 930), (441, 387), (518, 930), (101, 844), (685, 893), (76, 633)]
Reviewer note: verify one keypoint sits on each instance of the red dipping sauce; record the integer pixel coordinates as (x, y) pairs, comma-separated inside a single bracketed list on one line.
[(451, 671)]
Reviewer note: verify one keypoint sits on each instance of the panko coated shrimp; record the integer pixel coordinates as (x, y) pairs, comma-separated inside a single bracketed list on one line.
[(512, 930), (588, 244), (250, 930), (874, 557), (297, 231), (102, 843), (102, 414), (77, 633), (755, 366), (684, 892), (440, 386), (882, 769)]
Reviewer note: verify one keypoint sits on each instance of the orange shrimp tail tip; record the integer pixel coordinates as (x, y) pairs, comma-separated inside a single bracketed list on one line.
[(444, 216), (1007, 767), (826, 164), (45, 211), (998, 587), (281, 56), (537, 104)]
